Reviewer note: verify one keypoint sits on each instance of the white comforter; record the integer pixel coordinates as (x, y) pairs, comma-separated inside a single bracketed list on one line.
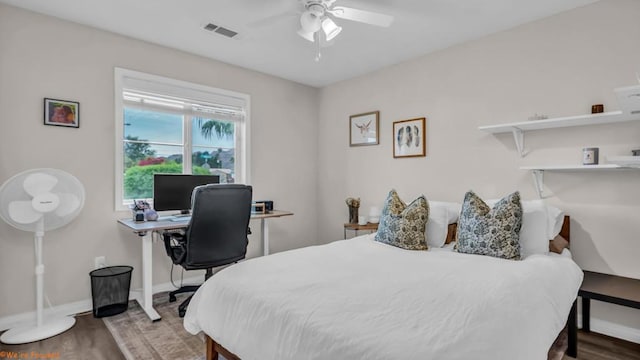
[(360, 299)]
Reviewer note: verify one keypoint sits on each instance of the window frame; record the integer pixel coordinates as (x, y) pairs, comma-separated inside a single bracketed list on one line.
[(185, 89)]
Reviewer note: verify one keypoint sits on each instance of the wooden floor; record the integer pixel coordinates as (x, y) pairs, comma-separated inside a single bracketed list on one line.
[(592, 346), (90, 339)]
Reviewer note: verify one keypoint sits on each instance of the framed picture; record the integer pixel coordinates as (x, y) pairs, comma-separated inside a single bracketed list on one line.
[(409, 138), (363, 129), (61, 113)]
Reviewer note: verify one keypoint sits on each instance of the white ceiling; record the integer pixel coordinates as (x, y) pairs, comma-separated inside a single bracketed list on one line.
[(268, 42)]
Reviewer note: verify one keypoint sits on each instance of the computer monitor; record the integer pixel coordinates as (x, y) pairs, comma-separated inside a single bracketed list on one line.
[(172, 192)]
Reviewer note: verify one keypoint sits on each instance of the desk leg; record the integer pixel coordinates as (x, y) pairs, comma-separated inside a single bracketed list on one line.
[(147, 281), (264, 230), (586, 314), (572, 348)]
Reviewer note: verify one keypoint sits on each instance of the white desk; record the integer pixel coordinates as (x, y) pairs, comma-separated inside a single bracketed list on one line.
[(145, 229)]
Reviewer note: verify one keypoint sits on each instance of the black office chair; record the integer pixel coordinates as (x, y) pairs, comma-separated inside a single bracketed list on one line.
[(216, 234)]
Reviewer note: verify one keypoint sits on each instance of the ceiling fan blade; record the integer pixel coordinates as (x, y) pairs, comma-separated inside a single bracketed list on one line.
[(362, 16), (68, 204), (38, 183), (22, 212)]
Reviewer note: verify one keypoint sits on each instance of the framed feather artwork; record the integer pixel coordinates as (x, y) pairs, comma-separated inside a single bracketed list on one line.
[(409, 138)]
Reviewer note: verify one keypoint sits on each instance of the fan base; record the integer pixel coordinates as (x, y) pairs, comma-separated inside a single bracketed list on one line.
[(29, 333)]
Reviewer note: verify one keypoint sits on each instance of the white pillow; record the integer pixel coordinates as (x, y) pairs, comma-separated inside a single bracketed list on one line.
[(535, 230), (441, 214), (556, 219)]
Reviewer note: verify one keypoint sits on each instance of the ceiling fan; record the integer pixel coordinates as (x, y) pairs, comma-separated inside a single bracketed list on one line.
[(318, 15)]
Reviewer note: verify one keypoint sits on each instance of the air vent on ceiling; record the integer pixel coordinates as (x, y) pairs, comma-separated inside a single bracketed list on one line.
[(210, 27), (220, 30)]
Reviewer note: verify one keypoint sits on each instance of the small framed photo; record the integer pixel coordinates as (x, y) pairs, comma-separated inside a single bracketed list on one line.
[(61, 113), (363, 129), (409, 138)]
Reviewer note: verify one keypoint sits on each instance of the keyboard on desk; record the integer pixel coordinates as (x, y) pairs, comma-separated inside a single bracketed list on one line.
[(180, 218)]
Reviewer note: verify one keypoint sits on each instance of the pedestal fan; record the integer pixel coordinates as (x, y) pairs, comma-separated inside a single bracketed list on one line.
[(40, 200)]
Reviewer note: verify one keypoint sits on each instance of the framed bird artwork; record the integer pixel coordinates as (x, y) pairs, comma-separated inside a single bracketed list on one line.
[(363, 129)]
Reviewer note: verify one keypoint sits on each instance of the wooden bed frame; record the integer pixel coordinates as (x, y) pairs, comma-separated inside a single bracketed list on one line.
[(214, 349)]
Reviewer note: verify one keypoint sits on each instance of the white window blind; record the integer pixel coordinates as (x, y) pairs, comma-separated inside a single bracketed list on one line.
[(146, 100)]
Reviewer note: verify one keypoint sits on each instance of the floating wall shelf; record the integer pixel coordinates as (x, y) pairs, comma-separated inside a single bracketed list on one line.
[(518, 129), (628, 98), (538, 171), (573, 167), (629, 102), (628, 161)]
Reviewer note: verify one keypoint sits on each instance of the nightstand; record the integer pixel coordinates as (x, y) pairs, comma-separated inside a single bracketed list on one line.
[(608, 288), (356, 227)]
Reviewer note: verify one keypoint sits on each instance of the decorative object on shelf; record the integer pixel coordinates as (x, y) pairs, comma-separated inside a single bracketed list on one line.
[(597, 109), (61, 113), (537, 116), (374, 215), (409, 138), (362, 220), (590, 156), (363, 129), (629, 99), (353, 204), (635, 152)]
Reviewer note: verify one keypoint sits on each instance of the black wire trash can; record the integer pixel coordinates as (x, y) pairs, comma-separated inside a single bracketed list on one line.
[(110, 290)]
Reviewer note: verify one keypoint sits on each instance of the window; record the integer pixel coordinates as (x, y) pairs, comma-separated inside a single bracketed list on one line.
[(170, 126)]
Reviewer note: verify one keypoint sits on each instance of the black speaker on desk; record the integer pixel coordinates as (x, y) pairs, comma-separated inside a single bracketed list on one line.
[(262, 206)]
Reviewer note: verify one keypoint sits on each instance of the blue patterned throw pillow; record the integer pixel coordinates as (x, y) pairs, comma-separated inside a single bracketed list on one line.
[(486, 231), (401, 225)]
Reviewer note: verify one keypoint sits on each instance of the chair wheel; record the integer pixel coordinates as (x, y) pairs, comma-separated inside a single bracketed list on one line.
[(172, 298), (181, 312)]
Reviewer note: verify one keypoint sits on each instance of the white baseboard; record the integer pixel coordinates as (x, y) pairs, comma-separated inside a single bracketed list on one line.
[(612, 329), (82, 306), (7, 322)]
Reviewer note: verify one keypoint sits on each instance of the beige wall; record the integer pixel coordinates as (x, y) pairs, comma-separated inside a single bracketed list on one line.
[(45, 57), (558, 66)]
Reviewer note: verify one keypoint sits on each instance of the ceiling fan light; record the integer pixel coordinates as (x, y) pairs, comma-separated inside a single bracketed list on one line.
[(331, 30), (310, 22), (306, 35)]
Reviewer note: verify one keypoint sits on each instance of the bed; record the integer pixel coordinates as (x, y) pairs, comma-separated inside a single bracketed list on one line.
[(361, 299)]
